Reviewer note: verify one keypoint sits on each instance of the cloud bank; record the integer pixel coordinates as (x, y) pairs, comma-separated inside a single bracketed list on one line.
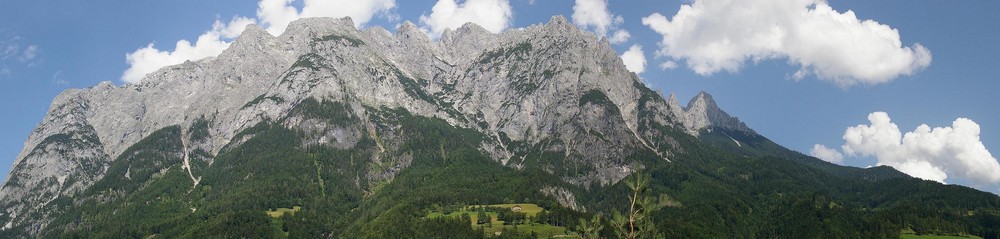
[(274, 15), (594, 14), (634, 59), (721, 35), (927, 153), (492, 15)]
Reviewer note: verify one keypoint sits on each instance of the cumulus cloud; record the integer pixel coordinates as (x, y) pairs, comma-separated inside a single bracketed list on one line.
[(721, 35), (620, 36), (634, 59), (668, 65), (149, 59), (276, 14), (826, 154), (594, 14), (492, 15), (928, 153), (272, 14)]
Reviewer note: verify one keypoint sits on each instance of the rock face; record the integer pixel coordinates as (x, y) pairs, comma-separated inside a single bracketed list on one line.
[(544, 88), (702, 113)]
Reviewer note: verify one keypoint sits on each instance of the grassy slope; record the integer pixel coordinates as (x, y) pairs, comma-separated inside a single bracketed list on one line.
[(914, 236), (497, 226)]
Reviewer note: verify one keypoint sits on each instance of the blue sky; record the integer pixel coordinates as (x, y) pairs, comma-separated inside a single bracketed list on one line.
[(76, 44)]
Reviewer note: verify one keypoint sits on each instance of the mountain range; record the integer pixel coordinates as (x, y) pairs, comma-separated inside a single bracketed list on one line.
[(368, 130)]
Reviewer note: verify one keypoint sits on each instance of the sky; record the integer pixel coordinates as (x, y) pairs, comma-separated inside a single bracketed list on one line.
[(904, 83)]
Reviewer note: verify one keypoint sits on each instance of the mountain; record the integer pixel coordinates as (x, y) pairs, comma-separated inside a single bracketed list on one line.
[(367, 131)]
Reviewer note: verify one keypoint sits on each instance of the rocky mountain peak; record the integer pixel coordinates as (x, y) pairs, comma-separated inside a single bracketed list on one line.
[(410, 32), (468, 38), (702, 112), (559, 21), (672, 101), (312, 27), (471, 28), (253, 41), (702, 99), (253, 31)]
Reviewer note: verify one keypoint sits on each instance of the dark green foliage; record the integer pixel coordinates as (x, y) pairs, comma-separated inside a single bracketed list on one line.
[(594, 97), (344, 39), (79, 139), (524, 86), (309, 61), (461, 175), (415, 90), (145, 180), (755, 145), (445, 227), (521, 51), (510, 217), (333, 112), (723, 194), (548, 74), (199, 129), (261, 98)]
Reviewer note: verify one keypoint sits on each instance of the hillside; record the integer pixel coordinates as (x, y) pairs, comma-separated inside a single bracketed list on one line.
[(366, 132)]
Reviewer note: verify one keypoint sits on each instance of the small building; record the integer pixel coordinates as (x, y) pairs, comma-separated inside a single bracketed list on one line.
[(516, 208)]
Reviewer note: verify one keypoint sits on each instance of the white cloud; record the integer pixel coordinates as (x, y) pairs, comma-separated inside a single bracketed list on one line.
[(717, 35), (29, 53), (927, 153), (492, 15), (58, 79), (594, 14), (9, 50), (9, 47), (13, 53), (620, 36), (234, 28), (634, 59), (149, 59), (275, 15), (826, 154), (668, 65)]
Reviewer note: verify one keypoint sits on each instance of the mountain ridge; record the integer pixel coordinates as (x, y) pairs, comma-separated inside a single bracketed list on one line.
[(548, 100), (245, 94)]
